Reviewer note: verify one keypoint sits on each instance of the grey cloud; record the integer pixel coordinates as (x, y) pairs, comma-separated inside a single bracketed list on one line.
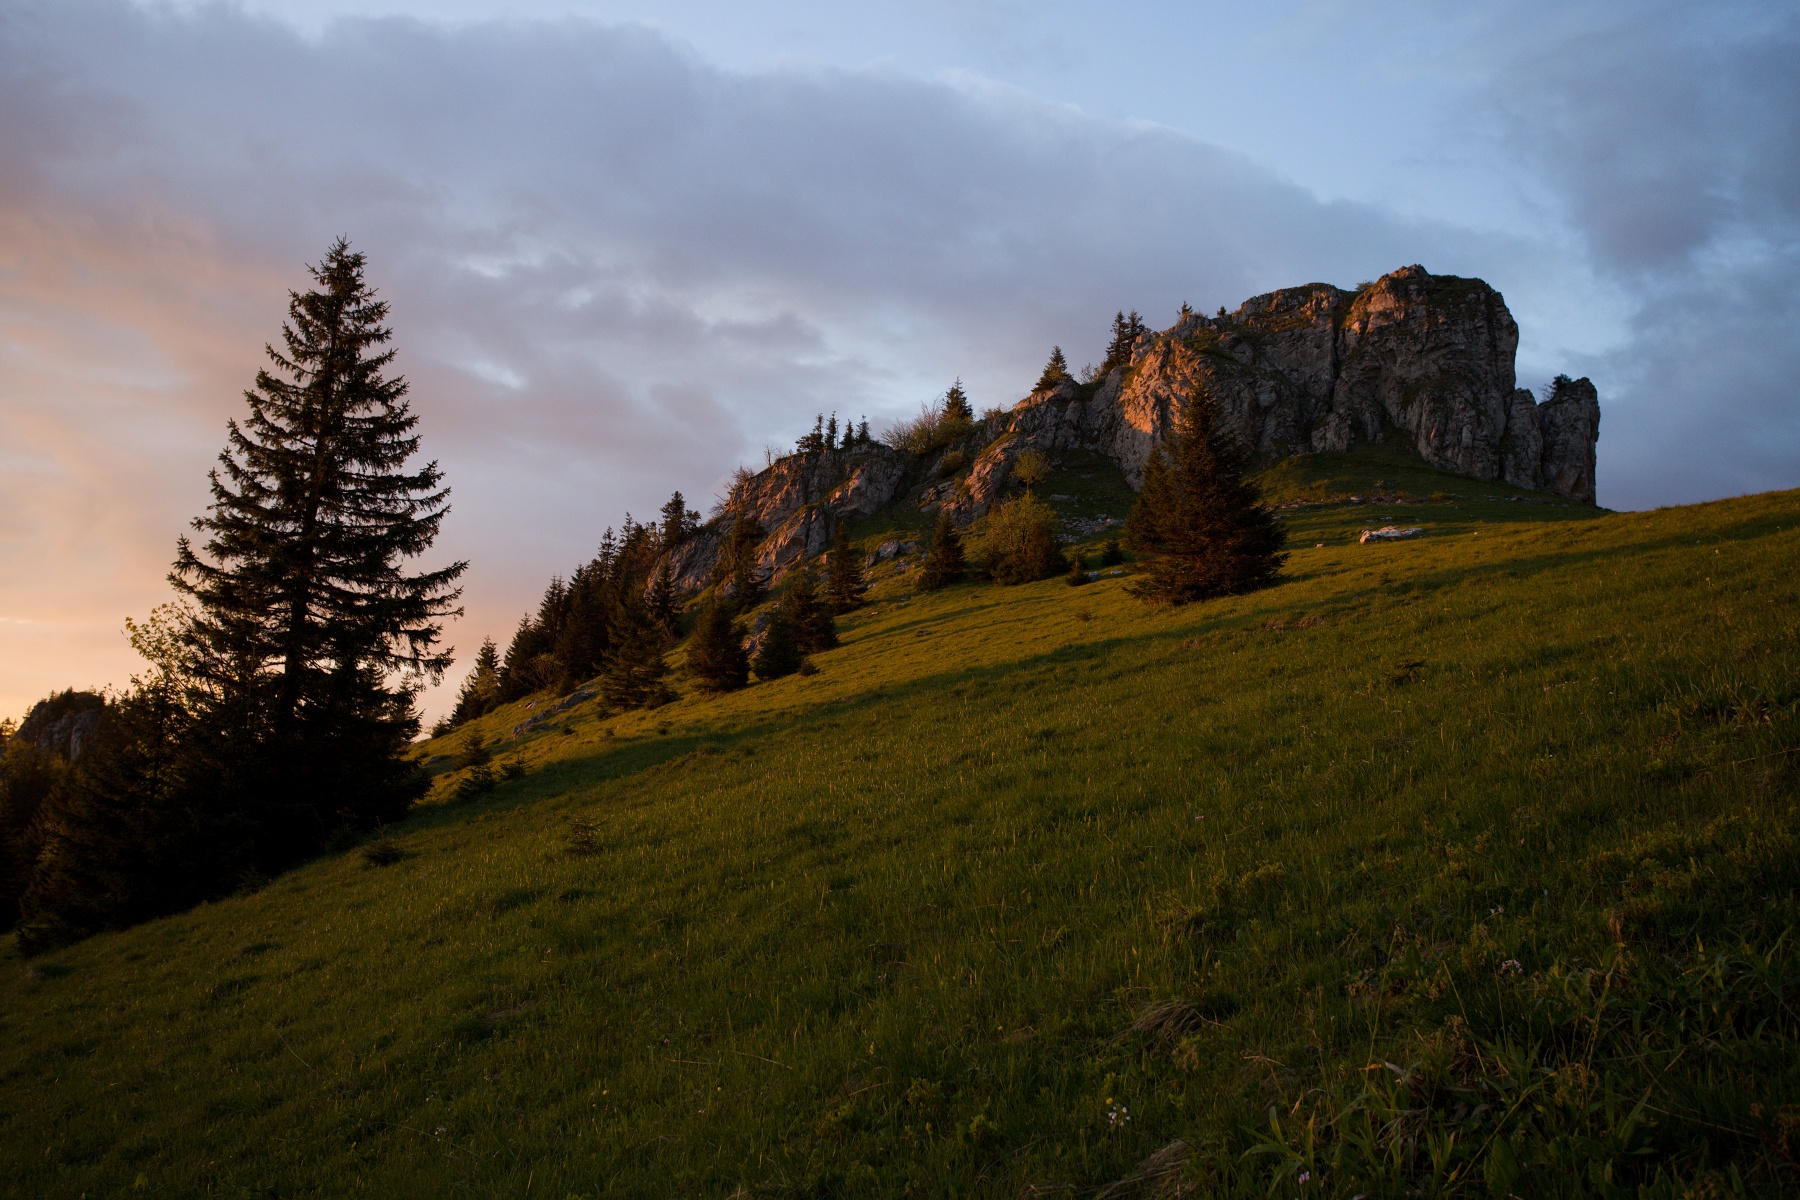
[(1671, 137), (615, 269)]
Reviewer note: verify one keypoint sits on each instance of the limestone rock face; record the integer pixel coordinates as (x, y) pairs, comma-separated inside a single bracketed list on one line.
[(1420, 357), (800, 501), (1569, 422), (1428, 358)]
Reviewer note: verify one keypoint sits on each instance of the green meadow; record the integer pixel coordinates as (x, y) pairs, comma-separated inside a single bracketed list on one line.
[(1457, 866)]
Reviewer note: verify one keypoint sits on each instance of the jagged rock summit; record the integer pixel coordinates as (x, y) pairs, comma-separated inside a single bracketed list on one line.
[(1425, 359)]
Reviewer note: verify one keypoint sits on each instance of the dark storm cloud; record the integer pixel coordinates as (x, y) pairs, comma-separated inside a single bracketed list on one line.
[(1671, 137)]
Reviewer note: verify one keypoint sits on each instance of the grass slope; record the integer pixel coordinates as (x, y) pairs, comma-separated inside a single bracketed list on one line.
[(1457, 866)]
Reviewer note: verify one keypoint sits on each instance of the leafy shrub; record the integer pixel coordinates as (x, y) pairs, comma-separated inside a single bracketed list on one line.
[(1016, 543)]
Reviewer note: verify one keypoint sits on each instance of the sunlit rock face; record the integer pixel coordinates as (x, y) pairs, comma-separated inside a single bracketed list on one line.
[(1424, 358)]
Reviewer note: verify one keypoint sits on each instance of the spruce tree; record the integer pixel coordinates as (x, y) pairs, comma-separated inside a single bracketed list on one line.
[(1055, 371), (1039, 557), (846, 584), (715, 654), (310, 638), (780, 651), (1077, 571), (1199, 521), (1125, 333), (480, 692), (678, 522), (745, 581), (944, 561), (665, 610), (957, 409), (814, 629), (635, 668)]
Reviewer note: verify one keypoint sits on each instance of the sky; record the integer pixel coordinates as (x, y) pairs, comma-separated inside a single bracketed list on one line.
[(629, 246)]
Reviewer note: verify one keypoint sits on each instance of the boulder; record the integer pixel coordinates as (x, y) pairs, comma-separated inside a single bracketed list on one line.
[(1388, 533)]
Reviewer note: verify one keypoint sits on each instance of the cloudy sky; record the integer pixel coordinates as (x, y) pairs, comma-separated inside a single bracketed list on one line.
[(629, 245)]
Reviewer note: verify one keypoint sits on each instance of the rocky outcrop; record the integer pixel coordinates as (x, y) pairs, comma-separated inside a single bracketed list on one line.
[(1424, 358), (65, 724), (1568, 425)]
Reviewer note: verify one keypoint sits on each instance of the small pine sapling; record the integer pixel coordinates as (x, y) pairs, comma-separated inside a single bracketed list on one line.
[(1077, 570), (1111, 555)]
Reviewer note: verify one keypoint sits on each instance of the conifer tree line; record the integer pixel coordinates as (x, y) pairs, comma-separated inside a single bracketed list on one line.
[(824, 436), (280, 701), (613, 617)]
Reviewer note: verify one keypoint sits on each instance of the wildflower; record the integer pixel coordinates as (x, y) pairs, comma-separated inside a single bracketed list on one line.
[(1305, 1178), (1511, 967), (1499, 910)]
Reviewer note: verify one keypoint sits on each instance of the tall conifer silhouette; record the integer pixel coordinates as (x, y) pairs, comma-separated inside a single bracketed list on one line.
[(310, 637)]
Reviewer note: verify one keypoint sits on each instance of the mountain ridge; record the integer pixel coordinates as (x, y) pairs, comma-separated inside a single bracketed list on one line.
[(1415, 358)]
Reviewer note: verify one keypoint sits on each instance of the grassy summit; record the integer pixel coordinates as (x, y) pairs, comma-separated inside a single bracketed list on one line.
[(1463, 865)]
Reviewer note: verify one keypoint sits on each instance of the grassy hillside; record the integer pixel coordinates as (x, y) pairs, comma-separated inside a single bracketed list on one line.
[(1458, 866)]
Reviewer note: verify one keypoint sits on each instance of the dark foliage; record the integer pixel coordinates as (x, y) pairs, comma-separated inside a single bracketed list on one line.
[(814, 628), (1017, 542), (33, 765), (636, 672), (678, 522), (572, 638), (132, 831), (472, 752), (743, 581), (308, 637), (1125, 332), (282, 706), (1055, 371), (846, 585), (480, 693), (663, 606), (1199, 520), (957, 409), (944, 563), (1077, 571), (780, 651), (814, 442), (715, 654), (1111, 554)]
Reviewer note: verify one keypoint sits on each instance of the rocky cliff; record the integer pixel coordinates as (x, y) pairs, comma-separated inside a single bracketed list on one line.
[(1426, 359)]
